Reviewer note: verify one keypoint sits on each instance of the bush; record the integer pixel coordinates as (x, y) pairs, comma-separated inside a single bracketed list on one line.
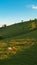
[(4, 25), (1, 37)]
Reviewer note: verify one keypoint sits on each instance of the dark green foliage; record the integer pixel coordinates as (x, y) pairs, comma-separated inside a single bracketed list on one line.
[(4, 25), (1, 37)]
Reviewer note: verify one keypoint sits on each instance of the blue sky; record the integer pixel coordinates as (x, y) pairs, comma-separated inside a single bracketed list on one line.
[(13, 11)]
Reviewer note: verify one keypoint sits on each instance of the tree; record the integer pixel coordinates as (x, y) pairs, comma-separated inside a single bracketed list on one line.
[(4, 25), (1, 37), (35, 19), (22, 21), (33, 25)]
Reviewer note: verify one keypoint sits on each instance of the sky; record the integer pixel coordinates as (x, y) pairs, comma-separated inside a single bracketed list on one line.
[(13, 11)]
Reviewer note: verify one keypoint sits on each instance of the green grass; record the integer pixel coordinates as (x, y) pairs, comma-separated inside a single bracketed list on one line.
[(23, 39), (16, 29), (25, 57)]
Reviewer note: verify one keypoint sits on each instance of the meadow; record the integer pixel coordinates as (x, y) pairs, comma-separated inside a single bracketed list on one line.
[(18, 44)]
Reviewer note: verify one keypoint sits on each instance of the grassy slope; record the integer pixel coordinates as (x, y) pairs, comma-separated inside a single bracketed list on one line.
[(32, 34), (15, 29), (12, 30), (27, 56)]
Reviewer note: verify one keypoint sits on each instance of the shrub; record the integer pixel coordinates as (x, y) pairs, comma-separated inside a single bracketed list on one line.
[(4, 25), (1, 37)]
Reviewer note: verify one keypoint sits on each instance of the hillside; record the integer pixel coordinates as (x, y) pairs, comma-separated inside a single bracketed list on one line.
[(17, 29), (18, 44)]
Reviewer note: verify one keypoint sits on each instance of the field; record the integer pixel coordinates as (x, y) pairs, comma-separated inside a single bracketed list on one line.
[(18, 44), (18, 52)]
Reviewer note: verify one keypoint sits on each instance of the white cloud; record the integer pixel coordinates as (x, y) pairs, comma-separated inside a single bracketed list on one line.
[(34, 7)]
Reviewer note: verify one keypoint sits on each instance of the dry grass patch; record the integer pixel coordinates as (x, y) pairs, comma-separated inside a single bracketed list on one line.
[(14, 46)]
